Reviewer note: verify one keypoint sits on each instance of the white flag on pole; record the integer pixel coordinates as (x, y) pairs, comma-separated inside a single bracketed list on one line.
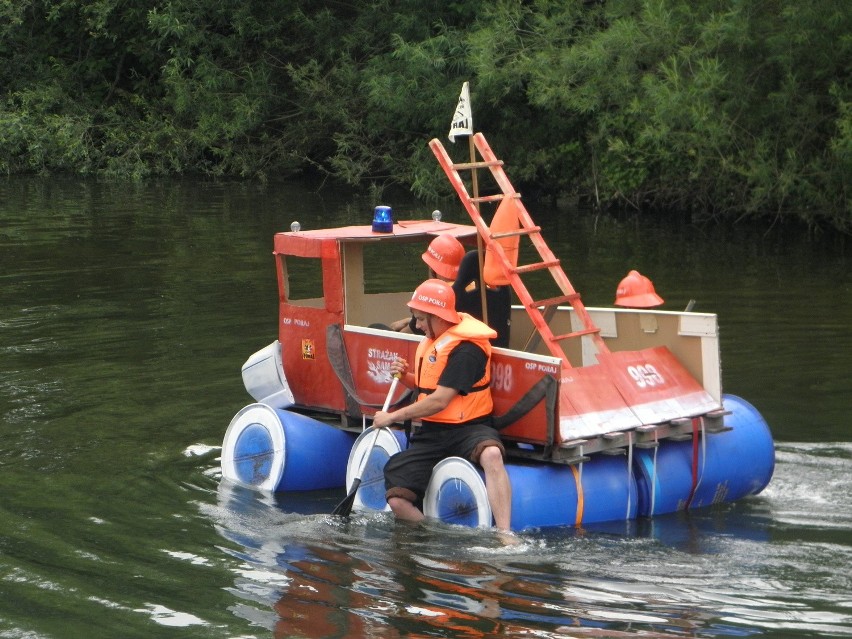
[(463, 119)]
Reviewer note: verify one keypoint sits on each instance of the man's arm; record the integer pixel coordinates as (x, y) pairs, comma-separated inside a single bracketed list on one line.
[(465, 365), (429, 405), (401, 326)]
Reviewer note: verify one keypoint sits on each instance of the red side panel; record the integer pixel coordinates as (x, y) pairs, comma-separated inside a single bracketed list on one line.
[(304, 356), (370, 355), (302, 329), (626, 390), (512, 376), (591, 405), (656, 385)]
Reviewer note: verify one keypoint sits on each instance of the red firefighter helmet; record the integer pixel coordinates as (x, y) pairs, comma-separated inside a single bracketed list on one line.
[(444, 255), (435, 297), (636, 291)]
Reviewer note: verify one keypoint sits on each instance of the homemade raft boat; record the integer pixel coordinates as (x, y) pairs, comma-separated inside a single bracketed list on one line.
[(607, 413)]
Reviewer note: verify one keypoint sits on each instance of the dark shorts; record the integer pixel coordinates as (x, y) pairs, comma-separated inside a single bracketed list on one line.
[(407, 473)]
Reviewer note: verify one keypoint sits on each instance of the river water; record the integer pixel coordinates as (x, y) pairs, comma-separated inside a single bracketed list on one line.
[(126, 312)]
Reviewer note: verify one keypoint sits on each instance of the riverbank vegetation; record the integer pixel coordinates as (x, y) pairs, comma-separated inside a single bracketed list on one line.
[(731, 110)]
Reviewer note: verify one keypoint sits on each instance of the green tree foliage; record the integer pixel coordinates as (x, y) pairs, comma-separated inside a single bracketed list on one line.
[(702, 107)]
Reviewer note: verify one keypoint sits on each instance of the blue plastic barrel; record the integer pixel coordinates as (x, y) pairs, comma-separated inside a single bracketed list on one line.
[(599, 490), (723, 467), (543, 495), (371, 492), (279, 450)]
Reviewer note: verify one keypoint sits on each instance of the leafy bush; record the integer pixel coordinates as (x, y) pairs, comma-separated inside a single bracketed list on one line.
[(698, 108)]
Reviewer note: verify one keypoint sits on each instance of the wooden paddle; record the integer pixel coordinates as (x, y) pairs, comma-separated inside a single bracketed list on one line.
[(344, 508)]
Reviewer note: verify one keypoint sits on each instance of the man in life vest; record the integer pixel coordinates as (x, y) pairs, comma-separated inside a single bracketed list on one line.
[(452, 374), (636, 291), (442, 256)]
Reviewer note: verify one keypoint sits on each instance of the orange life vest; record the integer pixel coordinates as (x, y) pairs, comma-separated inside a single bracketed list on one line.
[(505, 220), (431, 359)]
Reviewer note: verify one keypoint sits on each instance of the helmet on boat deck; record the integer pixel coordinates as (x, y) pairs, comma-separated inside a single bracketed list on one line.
[(436, 298), (636, 291), (444, 255)]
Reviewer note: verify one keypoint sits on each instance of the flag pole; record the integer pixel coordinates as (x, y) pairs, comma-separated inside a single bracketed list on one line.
[(479, 244), (462, 124)]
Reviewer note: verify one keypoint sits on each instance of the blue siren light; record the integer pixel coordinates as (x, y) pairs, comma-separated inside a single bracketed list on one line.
[(382, 220)]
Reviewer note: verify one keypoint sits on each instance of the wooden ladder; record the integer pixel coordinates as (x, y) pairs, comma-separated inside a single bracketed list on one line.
[(540, 311)]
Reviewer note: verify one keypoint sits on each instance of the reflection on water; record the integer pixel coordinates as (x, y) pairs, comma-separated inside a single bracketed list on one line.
[(717, 572), (125, 315)]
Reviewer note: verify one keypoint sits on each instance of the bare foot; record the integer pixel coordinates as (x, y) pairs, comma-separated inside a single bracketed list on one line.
[(508, 538)]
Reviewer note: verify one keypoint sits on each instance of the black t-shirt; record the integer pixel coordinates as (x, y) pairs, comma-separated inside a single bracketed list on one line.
[(498, 300), (465, 366)]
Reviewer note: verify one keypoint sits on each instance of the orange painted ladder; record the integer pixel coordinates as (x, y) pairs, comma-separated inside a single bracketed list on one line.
[(539, 310)]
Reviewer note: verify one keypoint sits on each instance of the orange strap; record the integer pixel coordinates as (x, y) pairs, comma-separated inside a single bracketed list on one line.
[(578, 481)]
